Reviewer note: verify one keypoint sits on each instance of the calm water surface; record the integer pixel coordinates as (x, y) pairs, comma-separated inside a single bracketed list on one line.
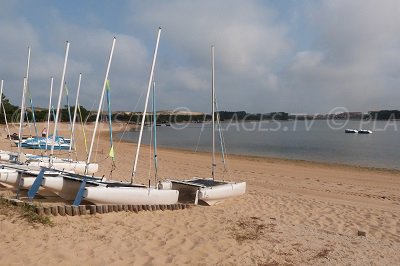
[(318, 140)]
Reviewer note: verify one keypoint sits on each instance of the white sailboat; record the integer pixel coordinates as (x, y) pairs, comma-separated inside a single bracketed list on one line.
[(64, 186), (20, 170), (207, 190), (130, 193), (67, 164)]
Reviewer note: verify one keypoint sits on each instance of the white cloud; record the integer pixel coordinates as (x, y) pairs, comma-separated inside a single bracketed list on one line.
[(353, 59), (247, 38)]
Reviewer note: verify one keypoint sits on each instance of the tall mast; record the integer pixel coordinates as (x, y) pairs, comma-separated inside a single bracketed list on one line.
[(76, 108), (21, 119), (69, 115), (49, 114), (4, 109), (100, 103), (145, 105), (28, 65), (213, 113), (59, 98)]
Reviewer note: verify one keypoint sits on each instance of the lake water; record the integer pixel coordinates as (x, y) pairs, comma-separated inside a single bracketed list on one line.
[(315, 140)]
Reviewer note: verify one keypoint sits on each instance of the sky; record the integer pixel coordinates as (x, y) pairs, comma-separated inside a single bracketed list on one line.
[(278, 55)]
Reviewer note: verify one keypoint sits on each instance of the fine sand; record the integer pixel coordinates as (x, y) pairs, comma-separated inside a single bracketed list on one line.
[(294, 213)]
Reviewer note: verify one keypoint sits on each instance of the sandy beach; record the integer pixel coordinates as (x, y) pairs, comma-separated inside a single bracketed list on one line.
[(294, 213)]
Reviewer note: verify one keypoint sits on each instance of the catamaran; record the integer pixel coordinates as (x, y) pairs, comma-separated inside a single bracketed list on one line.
[(130, 193), (21, 169), (208, 190), (100, 190)]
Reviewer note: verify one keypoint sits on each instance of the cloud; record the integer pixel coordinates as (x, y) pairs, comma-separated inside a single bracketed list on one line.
[(353, 59), (270, 56), (247, 38)]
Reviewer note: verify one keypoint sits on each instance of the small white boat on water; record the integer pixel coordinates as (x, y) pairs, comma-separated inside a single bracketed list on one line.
[(352, 131), (364, 131)]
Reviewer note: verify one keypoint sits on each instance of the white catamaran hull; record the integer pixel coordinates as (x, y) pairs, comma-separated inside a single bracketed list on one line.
[(64, 188), (12, 178), (217, 194), (130, 195), (78, 167), (211, 195), (4, 156), (9, 177)]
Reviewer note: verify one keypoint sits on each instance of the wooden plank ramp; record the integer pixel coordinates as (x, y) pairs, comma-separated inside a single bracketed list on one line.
[(71, 210)]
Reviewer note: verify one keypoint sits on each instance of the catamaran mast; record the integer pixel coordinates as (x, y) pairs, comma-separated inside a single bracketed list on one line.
[(4, 109), (145, 105), (100, 104), (59, 99), (72, 142), (21, 120), (49, 114), (28, 65), (213, 113)]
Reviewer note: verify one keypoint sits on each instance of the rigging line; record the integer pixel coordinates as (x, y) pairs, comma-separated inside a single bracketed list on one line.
[(150, 154), (111, 153), (69, 115), (222, 139), (155, 133), (49, 114), (84, 122), (73, 136), (76, 138), (108, 88), (83, 129), (34, 118), (98, 135), (87, 119), (74, 146), (28, 124), (130, 119), (201, 131)]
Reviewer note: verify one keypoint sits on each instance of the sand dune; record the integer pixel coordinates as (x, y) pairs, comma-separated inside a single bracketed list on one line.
[(294, 213)]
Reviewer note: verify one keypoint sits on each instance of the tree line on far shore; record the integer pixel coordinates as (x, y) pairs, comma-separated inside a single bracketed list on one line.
[(41, 114)]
